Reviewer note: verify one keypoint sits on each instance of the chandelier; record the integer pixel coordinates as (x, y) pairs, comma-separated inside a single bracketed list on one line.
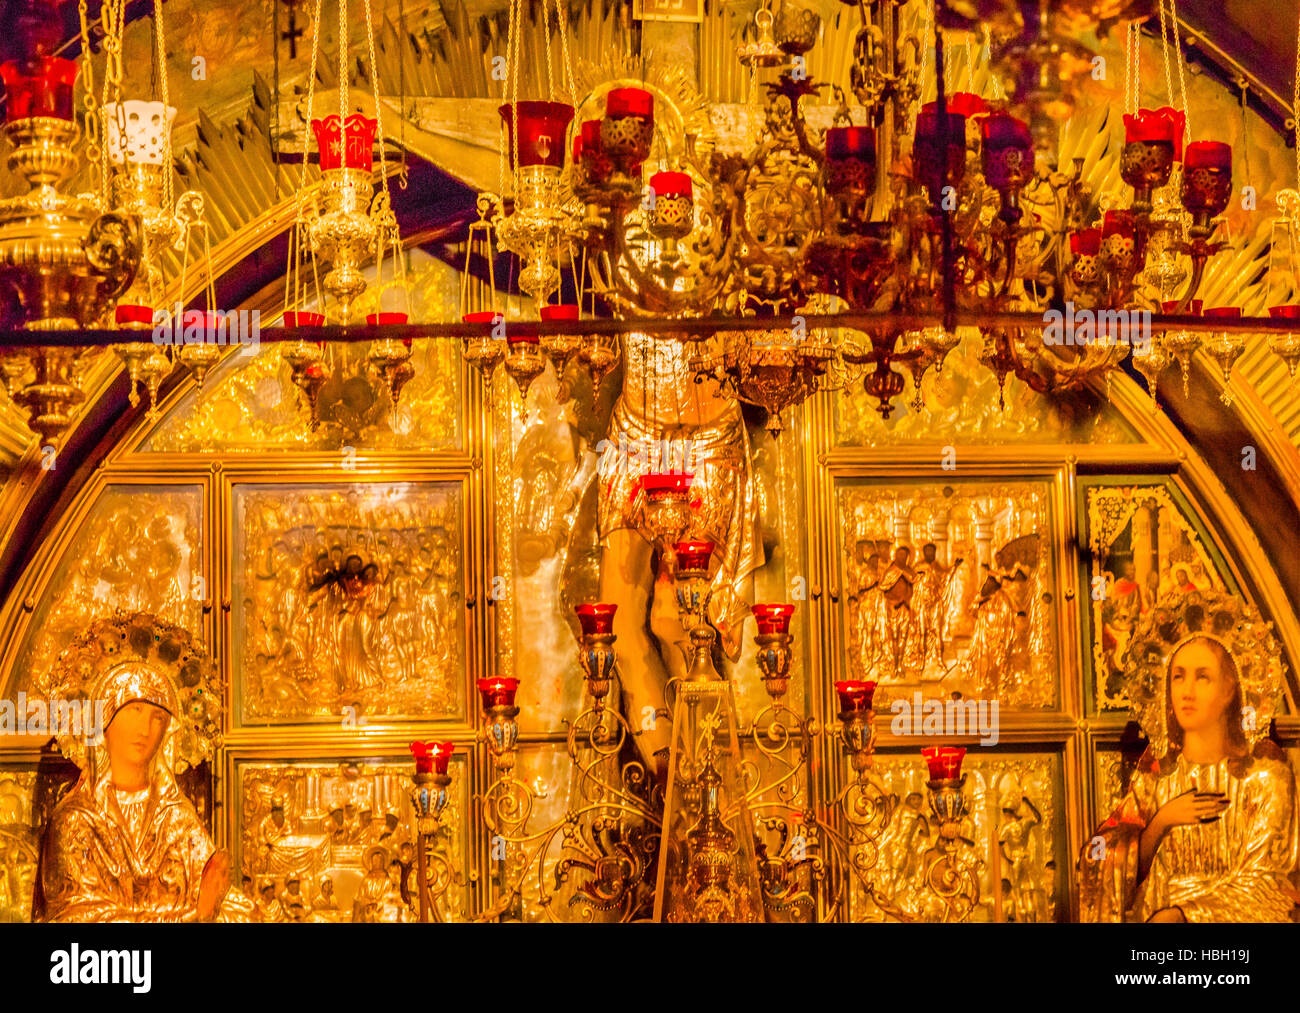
[(67, 259), (345, 224)]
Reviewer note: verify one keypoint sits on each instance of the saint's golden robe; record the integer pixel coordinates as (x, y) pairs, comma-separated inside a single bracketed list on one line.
[(1235, 869)]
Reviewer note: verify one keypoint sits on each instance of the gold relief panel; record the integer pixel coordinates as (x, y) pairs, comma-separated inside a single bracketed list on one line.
[(350, 602), (949, 588), (961, 404), (139, 549), (335, 841), (1141, 545), (19, 843), (1013, 838)]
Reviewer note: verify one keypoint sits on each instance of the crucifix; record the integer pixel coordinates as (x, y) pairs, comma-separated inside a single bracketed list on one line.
[(294, 33)]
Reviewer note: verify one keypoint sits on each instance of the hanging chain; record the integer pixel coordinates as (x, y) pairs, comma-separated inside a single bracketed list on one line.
[(343, 71), (88, 98), (562, 15), (374, 84), (1164, 51), (160, 44), (970, 66), (546, 39), (311, 95), (1178, 54)]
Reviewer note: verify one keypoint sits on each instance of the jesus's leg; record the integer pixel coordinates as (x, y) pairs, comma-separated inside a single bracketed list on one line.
[(627, 580)]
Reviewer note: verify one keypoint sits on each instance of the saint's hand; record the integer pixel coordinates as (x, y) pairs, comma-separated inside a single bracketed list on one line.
[(214, 885), (1167, 915), (1193, 806)]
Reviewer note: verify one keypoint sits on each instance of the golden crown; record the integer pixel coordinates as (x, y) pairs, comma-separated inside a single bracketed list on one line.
[(169, 652), (1182, 615)]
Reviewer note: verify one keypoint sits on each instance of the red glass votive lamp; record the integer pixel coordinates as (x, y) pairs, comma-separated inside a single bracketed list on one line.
[(944, 762), (1290, 311), (595, 164), (1008, 152), (1207, 178), (1085, 245), (850, 161), (596, 618), (39, 87), (561, 311), (627, 127), (660, 487), (932, 153), (1122, 242), (674, 206), (693, 558), (497, 691), (1223, 312), (349, 147), (480, 317), (542, 129), (133, 316), (855, 696), (773, 618), (432, 757), (1153, 143)]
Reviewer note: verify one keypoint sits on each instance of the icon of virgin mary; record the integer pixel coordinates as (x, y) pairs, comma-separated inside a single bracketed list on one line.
[(1207, 830), (125, 843)]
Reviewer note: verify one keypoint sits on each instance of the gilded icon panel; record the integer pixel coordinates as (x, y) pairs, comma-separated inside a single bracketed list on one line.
[(350, 602), (335, 841), (1141, 546), (138, 549), (1012, 839), (19, 843), (962, 403), (949, 589)]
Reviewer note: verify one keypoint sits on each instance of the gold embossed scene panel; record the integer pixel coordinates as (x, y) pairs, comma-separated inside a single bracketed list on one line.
[(950, 589), (349, 602), (1007, 863), (138, 548), (1142, 544), (960, 405), (19, 842), (334, 841)]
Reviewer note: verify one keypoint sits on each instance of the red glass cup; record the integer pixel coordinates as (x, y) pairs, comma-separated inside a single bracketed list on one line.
[(855, 696), (39, 87), (1289, 311), (850, 161), (591, 158), (1123, 246), (432, 757), (133, 315), (542, 129), (674, 206), (773, 618), (497, 691), (1008, 152), (596, 618), (944, 762), (350, 147), (1207, 179), (627, 128), (1153, 143), (693, 557), (932, 154), (561, 311)]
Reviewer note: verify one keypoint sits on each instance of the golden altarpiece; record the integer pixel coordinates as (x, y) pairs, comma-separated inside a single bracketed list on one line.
[(348, 570)]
